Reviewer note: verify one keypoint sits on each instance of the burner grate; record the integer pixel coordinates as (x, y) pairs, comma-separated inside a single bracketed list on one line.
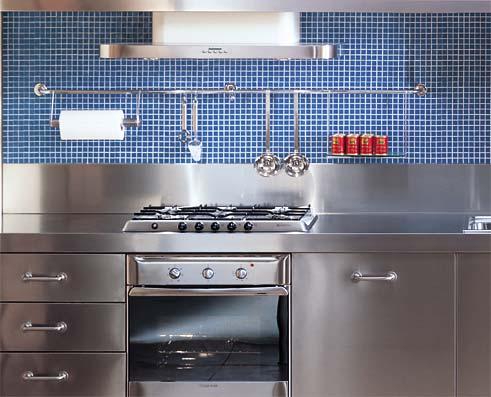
[(226, 218), (221, 213)]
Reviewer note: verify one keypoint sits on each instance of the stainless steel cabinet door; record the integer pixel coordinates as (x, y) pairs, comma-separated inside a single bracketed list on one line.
[(474, 325), (373, 338), (62, 375), (62, 327), (62, 278)]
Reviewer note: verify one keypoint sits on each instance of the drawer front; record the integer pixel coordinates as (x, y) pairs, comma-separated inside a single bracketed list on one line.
[(83, 374), (62, 278), (62, 327)]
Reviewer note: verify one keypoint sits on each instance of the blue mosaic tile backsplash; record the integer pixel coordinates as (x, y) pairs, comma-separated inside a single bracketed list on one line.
[(450, 53)]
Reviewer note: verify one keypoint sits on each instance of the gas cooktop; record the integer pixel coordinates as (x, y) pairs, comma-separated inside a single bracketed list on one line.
[(214, 219)]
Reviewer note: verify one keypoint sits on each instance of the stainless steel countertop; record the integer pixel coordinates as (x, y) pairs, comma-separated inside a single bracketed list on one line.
[(332, 233)]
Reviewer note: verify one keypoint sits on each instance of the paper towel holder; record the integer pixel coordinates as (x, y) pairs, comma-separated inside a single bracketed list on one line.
[(40, 89)]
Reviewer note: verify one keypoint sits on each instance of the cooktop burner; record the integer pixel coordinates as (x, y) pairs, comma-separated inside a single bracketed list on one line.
[(205, 218)]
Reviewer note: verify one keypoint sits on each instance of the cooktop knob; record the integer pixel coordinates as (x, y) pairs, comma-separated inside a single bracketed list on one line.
[(248, 226), (215, 226), (199, 226), (174, 273), (232, 226), (241, 273), (182, 226), (155, 226), (208, 273)]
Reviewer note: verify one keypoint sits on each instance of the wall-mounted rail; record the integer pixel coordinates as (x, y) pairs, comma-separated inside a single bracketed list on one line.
[(231, 89)]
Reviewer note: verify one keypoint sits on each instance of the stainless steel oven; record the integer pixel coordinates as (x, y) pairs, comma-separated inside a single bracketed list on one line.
[(209, 326)]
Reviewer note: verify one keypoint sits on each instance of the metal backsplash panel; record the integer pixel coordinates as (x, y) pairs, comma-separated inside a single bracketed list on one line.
[(450, 53), (117, 189)]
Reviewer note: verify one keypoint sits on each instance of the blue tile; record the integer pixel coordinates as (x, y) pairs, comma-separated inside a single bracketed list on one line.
[(450, 53)]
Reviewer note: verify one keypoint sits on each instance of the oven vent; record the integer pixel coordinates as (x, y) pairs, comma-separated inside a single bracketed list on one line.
[(212, 35)]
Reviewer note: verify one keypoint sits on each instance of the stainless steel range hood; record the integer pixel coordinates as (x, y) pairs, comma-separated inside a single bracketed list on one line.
[(272, 35), (404, 6), (215, 51)]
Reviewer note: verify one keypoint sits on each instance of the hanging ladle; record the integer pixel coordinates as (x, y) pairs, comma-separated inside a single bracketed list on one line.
[(267, 164), (296, 164)]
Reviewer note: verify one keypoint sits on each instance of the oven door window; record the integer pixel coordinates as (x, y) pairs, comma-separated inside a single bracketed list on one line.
[(208, 339)]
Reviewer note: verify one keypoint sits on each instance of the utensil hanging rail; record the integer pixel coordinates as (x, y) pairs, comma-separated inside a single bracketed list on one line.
[(231, 89)]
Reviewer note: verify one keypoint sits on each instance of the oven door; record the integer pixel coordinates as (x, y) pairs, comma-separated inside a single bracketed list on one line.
[(206, 342)]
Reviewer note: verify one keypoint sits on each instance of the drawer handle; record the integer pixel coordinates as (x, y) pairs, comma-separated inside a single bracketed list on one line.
[(390, 276), (28, 276), (60, 327), (61, 377)]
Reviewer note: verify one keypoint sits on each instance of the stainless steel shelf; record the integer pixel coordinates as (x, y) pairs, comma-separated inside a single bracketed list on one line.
[(390, 156), (401, 133)]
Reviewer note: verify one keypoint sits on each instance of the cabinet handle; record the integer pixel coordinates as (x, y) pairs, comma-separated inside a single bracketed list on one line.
[(253, 291), (60, 327), (390, 276), (61, 377), (28, 276)]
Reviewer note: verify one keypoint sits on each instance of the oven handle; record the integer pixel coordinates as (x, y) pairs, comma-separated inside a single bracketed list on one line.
[(245, 291)]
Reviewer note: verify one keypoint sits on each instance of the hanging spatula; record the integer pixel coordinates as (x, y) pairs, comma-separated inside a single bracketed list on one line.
[(195, 146)]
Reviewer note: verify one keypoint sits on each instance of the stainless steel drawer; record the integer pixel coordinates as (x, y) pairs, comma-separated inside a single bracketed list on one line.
[(63, 374), (62, 278), (62, 327)]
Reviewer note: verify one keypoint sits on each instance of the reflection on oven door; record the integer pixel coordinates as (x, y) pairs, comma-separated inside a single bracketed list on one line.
[(187, 346)]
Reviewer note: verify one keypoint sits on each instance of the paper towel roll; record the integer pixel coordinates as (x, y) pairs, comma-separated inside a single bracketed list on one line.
[(92, 124)]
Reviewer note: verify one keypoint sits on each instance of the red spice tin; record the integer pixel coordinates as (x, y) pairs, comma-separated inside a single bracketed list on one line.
[(382, 145), (353, 145), (338, 145), (367, 144)]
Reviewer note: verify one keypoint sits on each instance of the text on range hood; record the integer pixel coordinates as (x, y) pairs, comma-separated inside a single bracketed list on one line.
[(222, 35)]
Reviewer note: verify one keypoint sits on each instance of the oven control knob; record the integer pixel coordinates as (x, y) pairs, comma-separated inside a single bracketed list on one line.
[(241, 273), (232, 226), (199, 226), (215, 226), (174, 273), (208, 273), (248, 226), (182, 226)]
